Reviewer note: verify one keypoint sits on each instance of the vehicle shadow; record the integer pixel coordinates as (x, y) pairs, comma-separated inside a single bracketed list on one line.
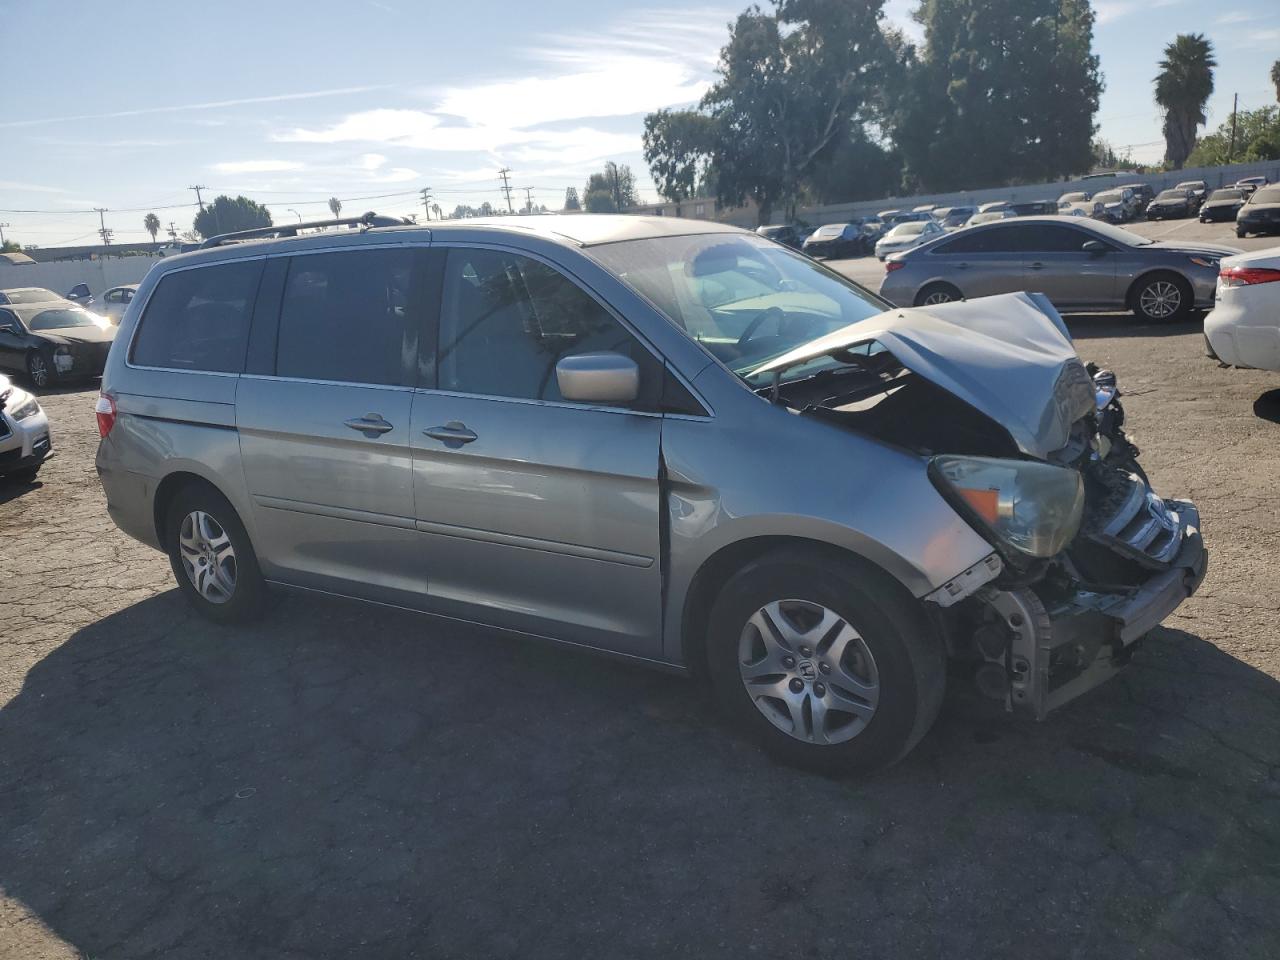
[(1087, 326), (12, 489), (341, 780), (1267, 406)]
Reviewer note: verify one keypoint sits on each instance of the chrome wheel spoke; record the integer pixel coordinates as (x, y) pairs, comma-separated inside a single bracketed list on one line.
[(208, 556)]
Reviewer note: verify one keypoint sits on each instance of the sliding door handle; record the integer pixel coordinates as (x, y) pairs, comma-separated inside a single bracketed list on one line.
[(455, 432), (371, 424)]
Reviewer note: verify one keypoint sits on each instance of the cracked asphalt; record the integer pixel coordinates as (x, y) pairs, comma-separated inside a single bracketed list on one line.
[(343, 780)]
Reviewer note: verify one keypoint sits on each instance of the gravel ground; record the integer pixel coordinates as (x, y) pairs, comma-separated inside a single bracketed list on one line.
[(343, 780)]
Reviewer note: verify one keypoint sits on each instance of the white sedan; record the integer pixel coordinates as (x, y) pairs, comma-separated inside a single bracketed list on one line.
[(907, 235), (115, 301), (1243, 329)]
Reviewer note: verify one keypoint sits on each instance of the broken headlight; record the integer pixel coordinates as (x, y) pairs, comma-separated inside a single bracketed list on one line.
[(1034, 508)]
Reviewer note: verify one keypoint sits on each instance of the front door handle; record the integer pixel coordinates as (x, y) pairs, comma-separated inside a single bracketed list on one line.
[(962, 266), (371, 424), (454, 433), (1037, 265)]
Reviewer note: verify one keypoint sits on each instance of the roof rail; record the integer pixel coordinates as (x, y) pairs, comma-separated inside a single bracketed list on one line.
[(364, 221)]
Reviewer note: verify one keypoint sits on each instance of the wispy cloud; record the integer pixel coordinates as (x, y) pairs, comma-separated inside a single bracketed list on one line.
[(1235, 16), (30, 187), (208, 105), (256, 166), (1107, 11)]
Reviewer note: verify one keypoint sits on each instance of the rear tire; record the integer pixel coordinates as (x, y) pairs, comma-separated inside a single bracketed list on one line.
[(860, 672), (1241, 233), (1162, 298), (935, 293), (212, 558)]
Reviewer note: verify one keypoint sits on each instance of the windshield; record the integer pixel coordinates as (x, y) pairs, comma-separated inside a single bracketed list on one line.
[(1225, 195), (1266, 195), (1073, 197), (744, 299), (1111, 196), (31, 295), (1172, 195), (830, 230), (60, 319), (1190, 185), (907, 229), (1117, 234)]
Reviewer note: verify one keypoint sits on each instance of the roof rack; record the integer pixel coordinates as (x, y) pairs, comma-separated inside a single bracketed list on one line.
[(365, 221)]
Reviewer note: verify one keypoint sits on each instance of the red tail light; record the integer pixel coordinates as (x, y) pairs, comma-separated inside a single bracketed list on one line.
[(892, 265), (1242, 276), (105, 410)]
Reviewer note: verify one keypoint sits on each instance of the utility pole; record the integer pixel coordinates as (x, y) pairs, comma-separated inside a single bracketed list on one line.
[(2, 226), (425, 193), (1231, 150), (528, 198), (197, 188), (173, 232), (505, 174), (103, 231)]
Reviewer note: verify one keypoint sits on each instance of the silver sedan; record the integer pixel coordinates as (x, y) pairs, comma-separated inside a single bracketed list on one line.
[(1080, 265)]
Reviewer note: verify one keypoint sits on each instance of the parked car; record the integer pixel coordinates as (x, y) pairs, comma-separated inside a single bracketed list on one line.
[(1250, 184), (1243, 329), (16, 295), (1222, 205), (1261, 212), (80, 294), (1143, 193), (836, 240), (24, 433), (987, 216), (561, 454), (1172, 204), (952, 218), (115, 301), (1080, 200), (907, 235), (1034, 208), (884, 216), (1198, 188), (785, 234), (993, 205), (1115, 206), (1078, 264), (925, 208), (52, 341)]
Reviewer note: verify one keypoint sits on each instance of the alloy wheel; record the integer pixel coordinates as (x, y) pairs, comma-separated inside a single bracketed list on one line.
[(808, 671), (938, 296), (39, 370), (207, 556), (1160, 300)]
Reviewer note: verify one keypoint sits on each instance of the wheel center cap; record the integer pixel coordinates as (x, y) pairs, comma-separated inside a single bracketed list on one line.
[(807, 670)]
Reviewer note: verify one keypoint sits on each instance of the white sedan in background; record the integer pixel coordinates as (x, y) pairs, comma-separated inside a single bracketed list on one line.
[(1243, 329), (907, 235), (115, 301)]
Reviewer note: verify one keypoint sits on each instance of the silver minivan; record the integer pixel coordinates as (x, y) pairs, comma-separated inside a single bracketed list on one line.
[(671, 441)]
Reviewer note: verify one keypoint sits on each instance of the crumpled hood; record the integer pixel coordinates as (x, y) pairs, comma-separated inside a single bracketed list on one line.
[(1009, 357), (70, 335)]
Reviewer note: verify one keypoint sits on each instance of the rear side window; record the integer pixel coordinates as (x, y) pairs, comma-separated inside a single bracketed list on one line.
[(199, 319), (995, 240), (344, 316)]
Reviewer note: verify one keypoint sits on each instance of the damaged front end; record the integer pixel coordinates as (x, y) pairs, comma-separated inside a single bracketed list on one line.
[(1029, 446)]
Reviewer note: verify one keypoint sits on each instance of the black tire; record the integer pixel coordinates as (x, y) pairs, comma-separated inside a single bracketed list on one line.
[(39, 370), (935, 290), (1157, 285), (1241, 233), (247, 600), (909, 657)]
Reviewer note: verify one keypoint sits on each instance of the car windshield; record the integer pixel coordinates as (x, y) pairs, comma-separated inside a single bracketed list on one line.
[(1172, 195), (772, 232), (1073, 197), (1266, 195), (1116, 234), (746, 300), (1226, 195), (31, 295), (907, 229), (1190, 185), (1110, 196), (61, 319), (830, 230)]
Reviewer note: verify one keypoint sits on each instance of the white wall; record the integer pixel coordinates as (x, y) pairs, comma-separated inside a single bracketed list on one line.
[(61, 275)]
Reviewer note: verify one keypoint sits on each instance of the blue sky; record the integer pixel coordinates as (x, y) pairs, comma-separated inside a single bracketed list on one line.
[(125, 105)]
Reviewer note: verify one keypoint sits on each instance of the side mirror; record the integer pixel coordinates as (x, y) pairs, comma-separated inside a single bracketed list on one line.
[(598, 378), (1095, 247)]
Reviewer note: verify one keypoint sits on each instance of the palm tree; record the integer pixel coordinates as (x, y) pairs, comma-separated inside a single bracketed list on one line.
[(335, 206), (152, 225), (1183, 87), (435, 208), (1275, 78)]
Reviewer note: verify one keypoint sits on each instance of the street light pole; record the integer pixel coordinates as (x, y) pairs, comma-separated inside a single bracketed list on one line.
[(296, 214)]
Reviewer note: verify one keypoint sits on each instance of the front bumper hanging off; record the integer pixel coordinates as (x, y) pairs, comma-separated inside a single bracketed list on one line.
[(1058, 651)]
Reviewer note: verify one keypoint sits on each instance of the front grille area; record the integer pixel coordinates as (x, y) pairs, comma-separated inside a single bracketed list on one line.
[(1128, 517)]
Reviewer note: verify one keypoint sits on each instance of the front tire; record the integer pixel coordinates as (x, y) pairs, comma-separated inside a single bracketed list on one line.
[(1162, 298), (827, 663), (212, 558), (39, 372)]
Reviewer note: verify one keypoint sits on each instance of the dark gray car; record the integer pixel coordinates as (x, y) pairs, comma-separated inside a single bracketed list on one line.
[(1079, 264)]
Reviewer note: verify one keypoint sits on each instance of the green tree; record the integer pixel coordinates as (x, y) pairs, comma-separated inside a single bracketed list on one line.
[(1183, 87), (571, 199), (335, 206), (1003, 91), (11, 246), (600, 201), (618, 182), (151, 223), (677, 148), (1257, 137), (225, 215)]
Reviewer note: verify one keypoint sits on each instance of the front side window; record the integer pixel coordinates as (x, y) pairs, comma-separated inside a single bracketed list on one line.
[(1051, 238), (199, 319), (343, 316), (506, 320)]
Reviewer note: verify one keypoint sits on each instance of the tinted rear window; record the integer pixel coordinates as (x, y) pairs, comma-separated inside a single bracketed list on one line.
[(1266, 195), (199, 319)]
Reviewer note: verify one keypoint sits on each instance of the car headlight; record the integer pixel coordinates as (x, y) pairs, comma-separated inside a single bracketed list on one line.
[(27, 408), (1210, 262), (1035, 508)]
